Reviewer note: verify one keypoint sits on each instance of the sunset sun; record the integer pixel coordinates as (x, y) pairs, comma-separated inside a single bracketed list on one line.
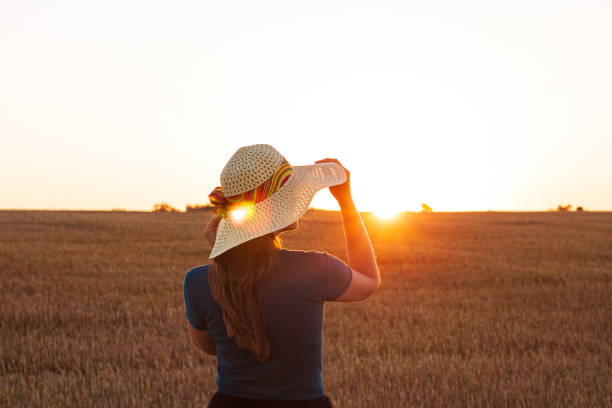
[(386, 213)]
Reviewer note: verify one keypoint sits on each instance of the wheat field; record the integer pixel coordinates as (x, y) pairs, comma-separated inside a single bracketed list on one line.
[(475, 310)]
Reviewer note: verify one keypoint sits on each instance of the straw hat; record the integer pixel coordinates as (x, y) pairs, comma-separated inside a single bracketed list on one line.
[(261, 192)]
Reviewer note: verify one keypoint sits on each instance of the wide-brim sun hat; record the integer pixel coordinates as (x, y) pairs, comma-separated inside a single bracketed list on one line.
[(261, 193)]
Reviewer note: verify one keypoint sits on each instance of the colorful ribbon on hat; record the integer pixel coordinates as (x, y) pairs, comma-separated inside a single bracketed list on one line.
[(222, 203)]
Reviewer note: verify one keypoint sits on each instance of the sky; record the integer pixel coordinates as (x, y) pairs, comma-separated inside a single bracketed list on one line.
[(465, 106)]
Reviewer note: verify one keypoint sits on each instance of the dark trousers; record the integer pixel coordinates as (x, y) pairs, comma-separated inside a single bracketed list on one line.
[(220, 400)]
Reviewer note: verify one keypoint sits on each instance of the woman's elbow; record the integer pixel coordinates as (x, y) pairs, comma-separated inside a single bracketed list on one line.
[(374, 289), (206, 348), (203, 341)]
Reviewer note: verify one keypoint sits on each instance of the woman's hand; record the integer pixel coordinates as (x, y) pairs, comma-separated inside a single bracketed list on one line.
[(341, 192), (210, 232)]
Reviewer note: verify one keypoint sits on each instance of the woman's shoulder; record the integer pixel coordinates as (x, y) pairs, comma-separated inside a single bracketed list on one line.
[(197, 276), (297, 253), (304, 257)]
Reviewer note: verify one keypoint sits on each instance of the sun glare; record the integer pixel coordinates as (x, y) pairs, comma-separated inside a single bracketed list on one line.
[(386, 214), (239, 214)]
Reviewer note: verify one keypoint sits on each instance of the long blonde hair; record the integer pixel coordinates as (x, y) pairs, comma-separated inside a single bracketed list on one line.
[(233, 279)]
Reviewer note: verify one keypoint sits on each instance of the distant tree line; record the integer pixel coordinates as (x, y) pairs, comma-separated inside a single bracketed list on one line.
[(568, 207), (198, 207), (165, 207)]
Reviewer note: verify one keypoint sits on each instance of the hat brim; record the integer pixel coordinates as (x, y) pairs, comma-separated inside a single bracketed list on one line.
[(281, 209)]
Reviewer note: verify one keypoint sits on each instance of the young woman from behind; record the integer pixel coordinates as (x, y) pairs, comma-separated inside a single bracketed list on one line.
[(258, 307)]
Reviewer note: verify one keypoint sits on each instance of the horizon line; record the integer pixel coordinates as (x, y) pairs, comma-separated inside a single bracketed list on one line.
[(490, 210)]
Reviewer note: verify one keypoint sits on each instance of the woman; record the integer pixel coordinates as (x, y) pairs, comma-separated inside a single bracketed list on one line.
[(259, 308)]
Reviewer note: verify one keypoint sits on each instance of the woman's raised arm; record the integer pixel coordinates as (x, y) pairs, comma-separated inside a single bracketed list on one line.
[(361, 259)]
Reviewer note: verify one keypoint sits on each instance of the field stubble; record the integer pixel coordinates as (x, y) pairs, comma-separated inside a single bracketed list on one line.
[(482, 309)]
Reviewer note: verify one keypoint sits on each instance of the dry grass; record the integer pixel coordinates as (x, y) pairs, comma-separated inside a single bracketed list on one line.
[(475, 310)]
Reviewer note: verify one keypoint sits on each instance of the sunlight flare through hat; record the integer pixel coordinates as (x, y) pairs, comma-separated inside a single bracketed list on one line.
[(261, 192)]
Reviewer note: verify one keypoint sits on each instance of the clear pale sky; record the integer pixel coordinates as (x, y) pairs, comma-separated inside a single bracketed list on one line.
[(470, 105)]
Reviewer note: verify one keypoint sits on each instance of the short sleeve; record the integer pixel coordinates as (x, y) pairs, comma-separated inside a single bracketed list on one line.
[(339, 277), (192, 309)]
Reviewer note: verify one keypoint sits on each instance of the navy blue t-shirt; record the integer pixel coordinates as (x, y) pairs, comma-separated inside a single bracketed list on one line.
[(292, 303)]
